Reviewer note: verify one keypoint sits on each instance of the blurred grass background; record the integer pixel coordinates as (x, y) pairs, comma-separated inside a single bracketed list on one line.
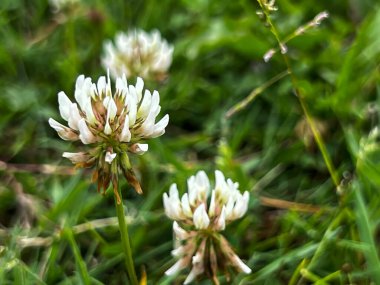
[(300, 228)]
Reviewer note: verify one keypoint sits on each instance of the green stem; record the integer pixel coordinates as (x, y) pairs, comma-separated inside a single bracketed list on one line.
[(125, 240), (81, 265), (242, 104), (297, 90)]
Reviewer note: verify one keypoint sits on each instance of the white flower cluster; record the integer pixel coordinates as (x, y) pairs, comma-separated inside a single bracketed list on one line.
[(138, 53), (226, 204), (126, 116), (196, 221)]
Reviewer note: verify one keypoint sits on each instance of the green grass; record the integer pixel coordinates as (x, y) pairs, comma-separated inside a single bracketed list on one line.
[(56, 229)]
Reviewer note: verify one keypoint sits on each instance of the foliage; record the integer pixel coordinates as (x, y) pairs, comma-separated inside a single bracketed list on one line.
[(300, 227)]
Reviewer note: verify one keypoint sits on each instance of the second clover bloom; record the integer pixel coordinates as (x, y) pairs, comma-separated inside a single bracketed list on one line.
[(199, 217), (138, 53), (111, 124)]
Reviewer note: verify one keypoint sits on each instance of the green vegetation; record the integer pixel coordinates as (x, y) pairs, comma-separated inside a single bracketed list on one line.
[(314, 211)]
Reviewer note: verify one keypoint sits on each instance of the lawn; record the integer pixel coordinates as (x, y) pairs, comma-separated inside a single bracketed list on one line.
[(282, 98)]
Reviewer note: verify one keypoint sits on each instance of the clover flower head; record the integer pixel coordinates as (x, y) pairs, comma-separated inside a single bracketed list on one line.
[(198, 223), (111, 123), (138, 53)]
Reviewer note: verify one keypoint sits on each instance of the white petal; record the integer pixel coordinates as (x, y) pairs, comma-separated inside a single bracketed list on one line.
[(76, 157), (147, 126), (56, 126), (178, 266), (109, 157), (200, 217), (105, 101), (167, 206), (87, 108), (64, 105), (85, 135), (192, 190), (198, 264), (119, 85), (74, 116), (101, 86), (241, 265), (155, 103), (108, 85), (221, 223), (229, 209), (220, 181), (125, 135), (111, 107), (94, 91), (122, 85), (132, 108), (145, 104), (64, 132), (201, 186), (186, 205), (81, 88), (180, 233), (221, 187), (241, 205), (172, 204), (107, 129), (202, 179), (139, 87), (111, 110), (173, 191), (190, 278), (139, 148), (78, 88), (211, 209), (178, 251), (159, 128)]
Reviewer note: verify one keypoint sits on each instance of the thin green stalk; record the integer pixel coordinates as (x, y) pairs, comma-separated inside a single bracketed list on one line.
[(297, 272), (125, 239), (310, 121), (312, 277), (242, 104), (332, 276), (298, 32), (83, 273), (366, 232), (327, 238)]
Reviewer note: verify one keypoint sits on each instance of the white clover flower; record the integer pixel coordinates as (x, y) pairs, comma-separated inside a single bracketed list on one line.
[(198, 220), (112, 123), (138, 53)]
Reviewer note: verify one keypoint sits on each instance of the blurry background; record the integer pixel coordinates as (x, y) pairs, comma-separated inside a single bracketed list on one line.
[(53, 223)]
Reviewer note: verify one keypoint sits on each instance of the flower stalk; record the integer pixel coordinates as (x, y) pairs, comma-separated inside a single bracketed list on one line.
[(125, 237)]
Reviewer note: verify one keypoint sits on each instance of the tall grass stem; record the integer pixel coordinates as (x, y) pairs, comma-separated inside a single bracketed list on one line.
[(298, 93)]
